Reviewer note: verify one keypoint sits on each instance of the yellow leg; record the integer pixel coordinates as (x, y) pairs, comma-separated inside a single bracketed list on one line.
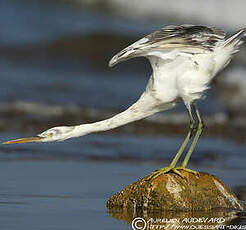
[(172, 167), (196, 138)]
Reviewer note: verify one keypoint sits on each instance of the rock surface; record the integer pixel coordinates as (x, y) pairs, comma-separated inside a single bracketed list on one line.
[(171, 192)]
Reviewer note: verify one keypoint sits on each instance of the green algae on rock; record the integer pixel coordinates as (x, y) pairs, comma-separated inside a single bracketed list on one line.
[(171, 192)]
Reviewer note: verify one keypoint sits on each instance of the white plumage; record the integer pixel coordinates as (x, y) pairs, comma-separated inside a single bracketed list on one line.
[(184, 60)]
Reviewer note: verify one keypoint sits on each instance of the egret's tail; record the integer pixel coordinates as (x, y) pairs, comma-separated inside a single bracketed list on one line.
[(235, 40)]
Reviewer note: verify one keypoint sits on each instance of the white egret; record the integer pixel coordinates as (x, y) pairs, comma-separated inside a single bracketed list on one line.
[(184, 60)]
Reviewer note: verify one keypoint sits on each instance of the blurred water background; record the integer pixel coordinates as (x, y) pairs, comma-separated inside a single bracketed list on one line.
[(53, 70)]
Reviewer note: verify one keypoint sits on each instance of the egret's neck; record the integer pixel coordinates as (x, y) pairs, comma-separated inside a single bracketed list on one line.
[(144, 107)]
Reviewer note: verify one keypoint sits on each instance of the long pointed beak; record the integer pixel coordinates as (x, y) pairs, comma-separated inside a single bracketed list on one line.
[(24, 140)]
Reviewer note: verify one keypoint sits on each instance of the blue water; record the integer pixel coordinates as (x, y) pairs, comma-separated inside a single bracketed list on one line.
[(66, 185), (57, 194)]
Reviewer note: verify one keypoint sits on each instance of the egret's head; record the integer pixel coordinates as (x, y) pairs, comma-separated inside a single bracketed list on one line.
[(54, 134), (57, 134)]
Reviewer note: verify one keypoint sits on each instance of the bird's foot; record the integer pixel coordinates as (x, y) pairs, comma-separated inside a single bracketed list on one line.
[(160, 171), (188, 170)]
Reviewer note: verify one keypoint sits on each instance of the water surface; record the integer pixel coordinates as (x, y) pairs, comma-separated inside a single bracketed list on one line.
[(66, 185)]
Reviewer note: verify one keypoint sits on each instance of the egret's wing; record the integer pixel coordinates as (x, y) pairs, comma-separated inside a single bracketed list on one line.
[(186, 38)]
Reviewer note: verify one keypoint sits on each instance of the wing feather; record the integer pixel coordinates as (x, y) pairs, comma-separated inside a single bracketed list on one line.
[(186, 38)]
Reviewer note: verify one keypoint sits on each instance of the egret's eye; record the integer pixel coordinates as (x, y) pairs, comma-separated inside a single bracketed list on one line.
[(50, 135)]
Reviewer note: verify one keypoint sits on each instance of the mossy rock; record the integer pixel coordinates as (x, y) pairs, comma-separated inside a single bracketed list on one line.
[(171, 192)]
